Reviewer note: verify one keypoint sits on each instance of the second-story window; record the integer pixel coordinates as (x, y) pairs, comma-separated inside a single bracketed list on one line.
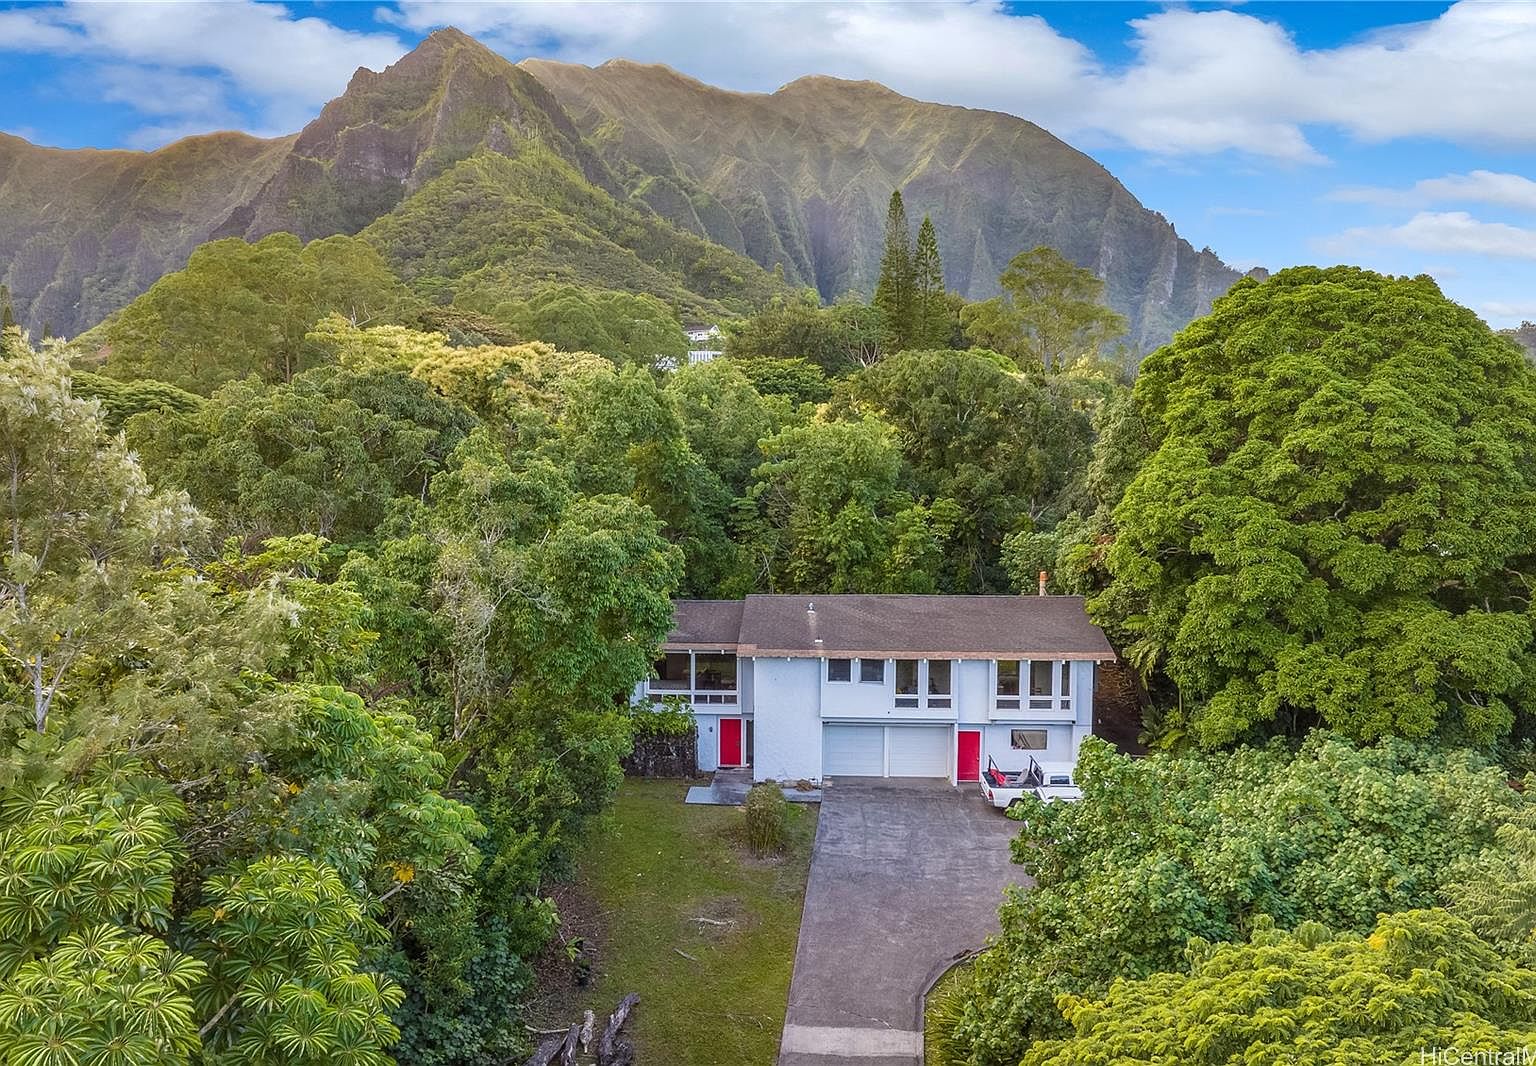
[(906, 682), (839, 669), (1008, 684), (939, 691), (872, 671), (671, 673)]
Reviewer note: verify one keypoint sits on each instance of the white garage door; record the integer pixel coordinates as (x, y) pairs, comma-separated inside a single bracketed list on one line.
[(853, 750), (919, 752)]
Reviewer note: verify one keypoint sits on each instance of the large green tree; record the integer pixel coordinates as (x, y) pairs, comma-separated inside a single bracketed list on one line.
[(237, 309), (625, 327), (1166, 848), (1050, 312), (1005, 447), (1336, 514)]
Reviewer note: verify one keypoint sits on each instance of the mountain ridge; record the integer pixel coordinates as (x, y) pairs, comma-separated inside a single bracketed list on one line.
[(794, 180)]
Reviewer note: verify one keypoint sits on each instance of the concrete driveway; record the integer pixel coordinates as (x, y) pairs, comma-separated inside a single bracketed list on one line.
[(905, 875)]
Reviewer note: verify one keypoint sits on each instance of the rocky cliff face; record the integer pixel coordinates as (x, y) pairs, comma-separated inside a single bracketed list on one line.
[(801, 177), (393, 131), (84, 232)]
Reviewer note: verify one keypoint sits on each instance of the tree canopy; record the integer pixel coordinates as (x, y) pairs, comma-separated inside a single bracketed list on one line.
[(1334, 514)]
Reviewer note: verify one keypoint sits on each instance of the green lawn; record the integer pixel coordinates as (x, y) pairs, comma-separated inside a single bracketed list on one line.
[(652, 868)]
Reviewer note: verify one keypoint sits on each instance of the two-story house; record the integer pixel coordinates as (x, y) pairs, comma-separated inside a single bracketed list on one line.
[(883, 686)]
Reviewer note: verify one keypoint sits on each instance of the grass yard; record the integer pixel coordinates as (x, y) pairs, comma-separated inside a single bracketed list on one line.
[(660, 878)]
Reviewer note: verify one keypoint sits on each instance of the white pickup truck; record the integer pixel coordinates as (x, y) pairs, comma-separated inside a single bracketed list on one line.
[(1050, 783)]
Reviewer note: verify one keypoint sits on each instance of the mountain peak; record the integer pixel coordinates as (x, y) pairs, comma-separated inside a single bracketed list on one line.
[(396, 129)]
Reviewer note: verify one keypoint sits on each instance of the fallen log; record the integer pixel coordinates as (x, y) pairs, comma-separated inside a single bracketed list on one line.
[(568, 1049), (610, 1050), (546, 1052)]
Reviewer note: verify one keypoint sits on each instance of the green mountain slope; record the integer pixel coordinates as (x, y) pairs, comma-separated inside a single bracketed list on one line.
[(494, 227), (801, 177), (82, 232)]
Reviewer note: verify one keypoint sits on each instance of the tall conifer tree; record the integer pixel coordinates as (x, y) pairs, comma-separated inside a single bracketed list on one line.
[(930, 310), (894, 291)]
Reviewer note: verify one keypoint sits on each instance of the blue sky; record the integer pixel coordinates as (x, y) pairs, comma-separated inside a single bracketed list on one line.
[(1399, 136)]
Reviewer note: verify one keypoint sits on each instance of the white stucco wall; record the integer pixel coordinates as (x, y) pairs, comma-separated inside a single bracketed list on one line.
[(996, 742), (709, 740), (973, 689), (787, 712)]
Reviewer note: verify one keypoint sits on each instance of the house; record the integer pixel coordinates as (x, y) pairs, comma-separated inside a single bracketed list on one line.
[(699, 333), (883, 686)]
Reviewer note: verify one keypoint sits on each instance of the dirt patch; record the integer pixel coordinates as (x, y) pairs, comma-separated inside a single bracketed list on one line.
[(571, 963)]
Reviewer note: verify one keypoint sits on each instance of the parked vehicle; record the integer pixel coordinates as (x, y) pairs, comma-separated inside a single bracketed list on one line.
[(1051, 784)]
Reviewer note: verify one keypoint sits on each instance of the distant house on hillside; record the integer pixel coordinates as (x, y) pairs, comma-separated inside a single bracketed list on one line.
[(883, 686), (700, 333)]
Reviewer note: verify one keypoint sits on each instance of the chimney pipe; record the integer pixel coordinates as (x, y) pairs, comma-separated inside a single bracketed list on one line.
[(1042, 582)]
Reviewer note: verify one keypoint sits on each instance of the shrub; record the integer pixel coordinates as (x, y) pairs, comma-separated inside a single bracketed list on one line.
[(674, 718), (767, 819)]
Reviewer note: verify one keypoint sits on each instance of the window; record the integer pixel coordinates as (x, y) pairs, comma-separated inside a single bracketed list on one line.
[(872, 671), (906, 682), (671, 673), (1028, 739), (1040, 677), (839, 669), (1066, 679), (938, 677), (715, 671), (1008, 677)]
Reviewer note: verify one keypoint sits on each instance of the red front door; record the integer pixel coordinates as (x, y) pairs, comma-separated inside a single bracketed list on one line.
[(730, 742), (968, 755)]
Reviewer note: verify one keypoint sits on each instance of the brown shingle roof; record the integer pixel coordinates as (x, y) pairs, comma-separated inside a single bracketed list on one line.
[(935, 627), (705, 623)]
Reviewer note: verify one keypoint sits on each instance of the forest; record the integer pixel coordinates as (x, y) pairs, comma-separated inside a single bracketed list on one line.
[(323, 599)]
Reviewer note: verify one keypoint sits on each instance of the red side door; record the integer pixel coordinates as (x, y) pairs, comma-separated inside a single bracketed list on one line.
[(968, 755), (730, 742)]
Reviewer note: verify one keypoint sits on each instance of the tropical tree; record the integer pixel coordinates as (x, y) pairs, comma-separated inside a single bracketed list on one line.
[(1313, 997), (1049, 315), (238, 309), (80, 523), (1336, 513), (625, 327), (1167, 848), (976, 431), (283, 940), (86, 890)]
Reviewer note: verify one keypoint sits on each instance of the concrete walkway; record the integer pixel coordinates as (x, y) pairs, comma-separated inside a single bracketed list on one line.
[(728, 788), (906, 875)]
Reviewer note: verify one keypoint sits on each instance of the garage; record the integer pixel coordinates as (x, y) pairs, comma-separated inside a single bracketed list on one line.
[(885, 751), (853, 750)]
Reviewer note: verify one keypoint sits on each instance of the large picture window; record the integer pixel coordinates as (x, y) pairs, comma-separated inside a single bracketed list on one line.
[(671, 672), (1029, 739), (715, 671)]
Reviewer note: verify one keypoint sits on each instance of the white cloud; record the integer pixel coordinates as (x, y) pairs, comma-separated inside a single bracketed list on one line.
[(185, 62), (1453, 232), (1478, 187), (1200, 81), (1524, 310)]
